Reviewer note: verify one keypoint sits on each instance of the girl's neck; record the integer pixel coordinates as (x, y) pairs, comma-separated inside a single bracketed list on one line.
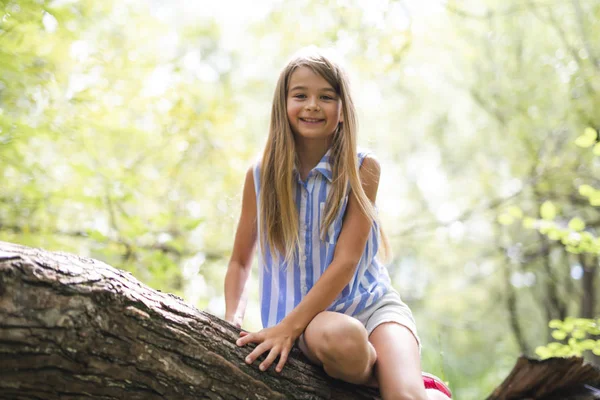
[(309, 154)]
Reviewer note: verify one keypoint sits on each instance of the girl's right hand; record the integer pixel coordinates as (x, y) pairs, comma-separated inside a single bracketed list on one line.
[(277, 341)]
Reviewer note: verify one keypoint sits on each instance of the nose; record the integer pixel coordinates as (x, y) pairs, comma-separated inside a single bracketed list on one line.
[(312, 104)]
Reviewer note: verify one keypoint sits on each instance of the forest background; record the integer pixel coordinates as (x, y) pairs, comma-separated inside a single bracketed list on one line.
[(126, 129)]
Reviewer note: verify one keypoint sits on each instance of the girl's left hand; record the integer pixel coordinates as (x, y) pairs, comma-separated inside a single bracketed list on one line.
[(279, 339)]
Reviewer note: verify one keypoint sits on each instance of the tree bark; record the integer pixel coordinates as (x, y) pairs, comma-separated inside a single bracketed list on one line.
[(73, 328), (550, 379)]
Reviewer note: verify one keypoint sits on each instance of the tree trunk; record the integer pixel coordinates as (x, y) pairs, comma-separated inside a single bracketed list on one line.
[(550, 379), (589, 264), (73, 327)]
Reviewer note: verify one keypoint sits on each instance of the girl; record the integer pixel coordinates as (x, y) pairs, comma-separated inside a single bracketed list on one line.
[(310, 206)]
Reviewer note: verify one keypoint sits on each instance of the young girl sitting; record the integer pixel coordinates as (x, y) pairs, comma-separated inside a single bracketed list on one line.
[(310, 206)]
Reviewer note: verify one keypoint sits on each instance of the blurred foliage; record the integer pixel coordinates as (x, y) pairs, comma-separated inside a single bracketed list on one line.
[(572, 233), (126, 128), (575, 335), (575, 331)]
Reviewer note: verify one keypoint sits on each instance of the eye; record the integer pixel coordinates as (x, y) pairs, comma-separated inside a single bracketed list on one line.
[(325, 97), (300, 96)]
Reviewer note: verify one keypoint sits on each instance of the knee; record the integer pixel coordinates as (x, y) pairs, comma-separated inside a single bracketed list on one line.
[(340, 338), (344, 339)]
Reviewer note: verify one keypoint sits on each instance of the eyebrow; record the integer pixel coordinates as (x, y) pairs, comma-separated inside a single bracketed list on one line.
[(305, 88)]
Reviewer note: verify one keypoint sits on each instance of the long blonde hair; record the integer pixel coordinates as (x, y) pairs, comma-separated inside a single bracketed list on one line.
[(279, 216)]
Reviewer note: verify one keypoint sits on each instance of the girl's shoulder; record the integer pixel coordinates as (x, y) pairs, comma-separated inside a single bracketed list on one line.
[(362, 153)]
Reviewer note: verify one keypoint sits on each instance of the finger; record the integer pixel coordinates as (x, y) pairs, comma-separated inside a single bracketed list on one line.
[(270, 358), (285, 352), (246, 338), (261, 348), (255, 337)]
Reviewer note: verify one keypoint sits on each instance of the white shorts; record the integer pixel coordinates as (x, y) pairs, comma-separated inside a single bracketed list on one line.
[(389, 308)]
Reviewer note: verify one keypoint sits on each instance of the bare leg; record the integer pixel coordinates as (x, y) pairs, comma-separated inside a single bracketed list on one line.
[(340, 343), (398, 368)]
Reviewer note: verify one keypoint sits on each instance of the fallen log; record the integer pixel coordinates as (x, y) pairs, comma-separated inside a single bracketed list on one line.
[(74, 327)]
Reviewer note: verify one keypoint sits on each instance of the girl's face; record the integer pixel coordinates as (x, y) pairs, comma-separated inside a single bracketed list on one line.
[(313, 107)]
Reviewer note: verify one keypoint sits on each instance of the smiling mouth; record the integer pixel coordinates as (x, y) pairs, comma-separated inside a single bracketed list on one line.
[(311, 120)]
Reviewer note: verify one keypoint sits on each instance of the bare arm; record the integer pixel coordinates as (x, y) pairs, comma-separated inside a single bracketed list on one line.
[(348, 252), (241, 257)]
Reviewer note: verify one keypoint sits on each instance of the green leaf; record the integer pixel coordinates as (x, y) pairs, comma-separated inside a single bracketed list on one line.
[(597, 149), (528, 223), (578, 334), (587, 139), (548, 211), (555, 324), (555, 346), (515, 212), (554, 234), (193, 223), (559, 335), (569, 325), (577, 224), (177, 245), (585, 323), (588, 344), (586, 190), (96, 235), (543, 352), (505, 219)]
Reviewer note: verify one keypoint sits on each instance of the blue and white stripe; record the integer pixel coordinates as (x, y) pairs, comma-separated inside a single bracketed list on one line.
[(282, 286)]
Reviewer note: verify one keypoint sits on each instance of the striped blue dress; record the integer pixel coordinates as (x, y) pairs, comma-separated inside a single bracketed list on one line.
[(282, 286)]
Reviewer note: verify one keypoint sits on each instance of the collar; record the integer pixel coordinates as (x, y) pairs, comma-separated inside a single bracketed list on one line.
[(324, 167)]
